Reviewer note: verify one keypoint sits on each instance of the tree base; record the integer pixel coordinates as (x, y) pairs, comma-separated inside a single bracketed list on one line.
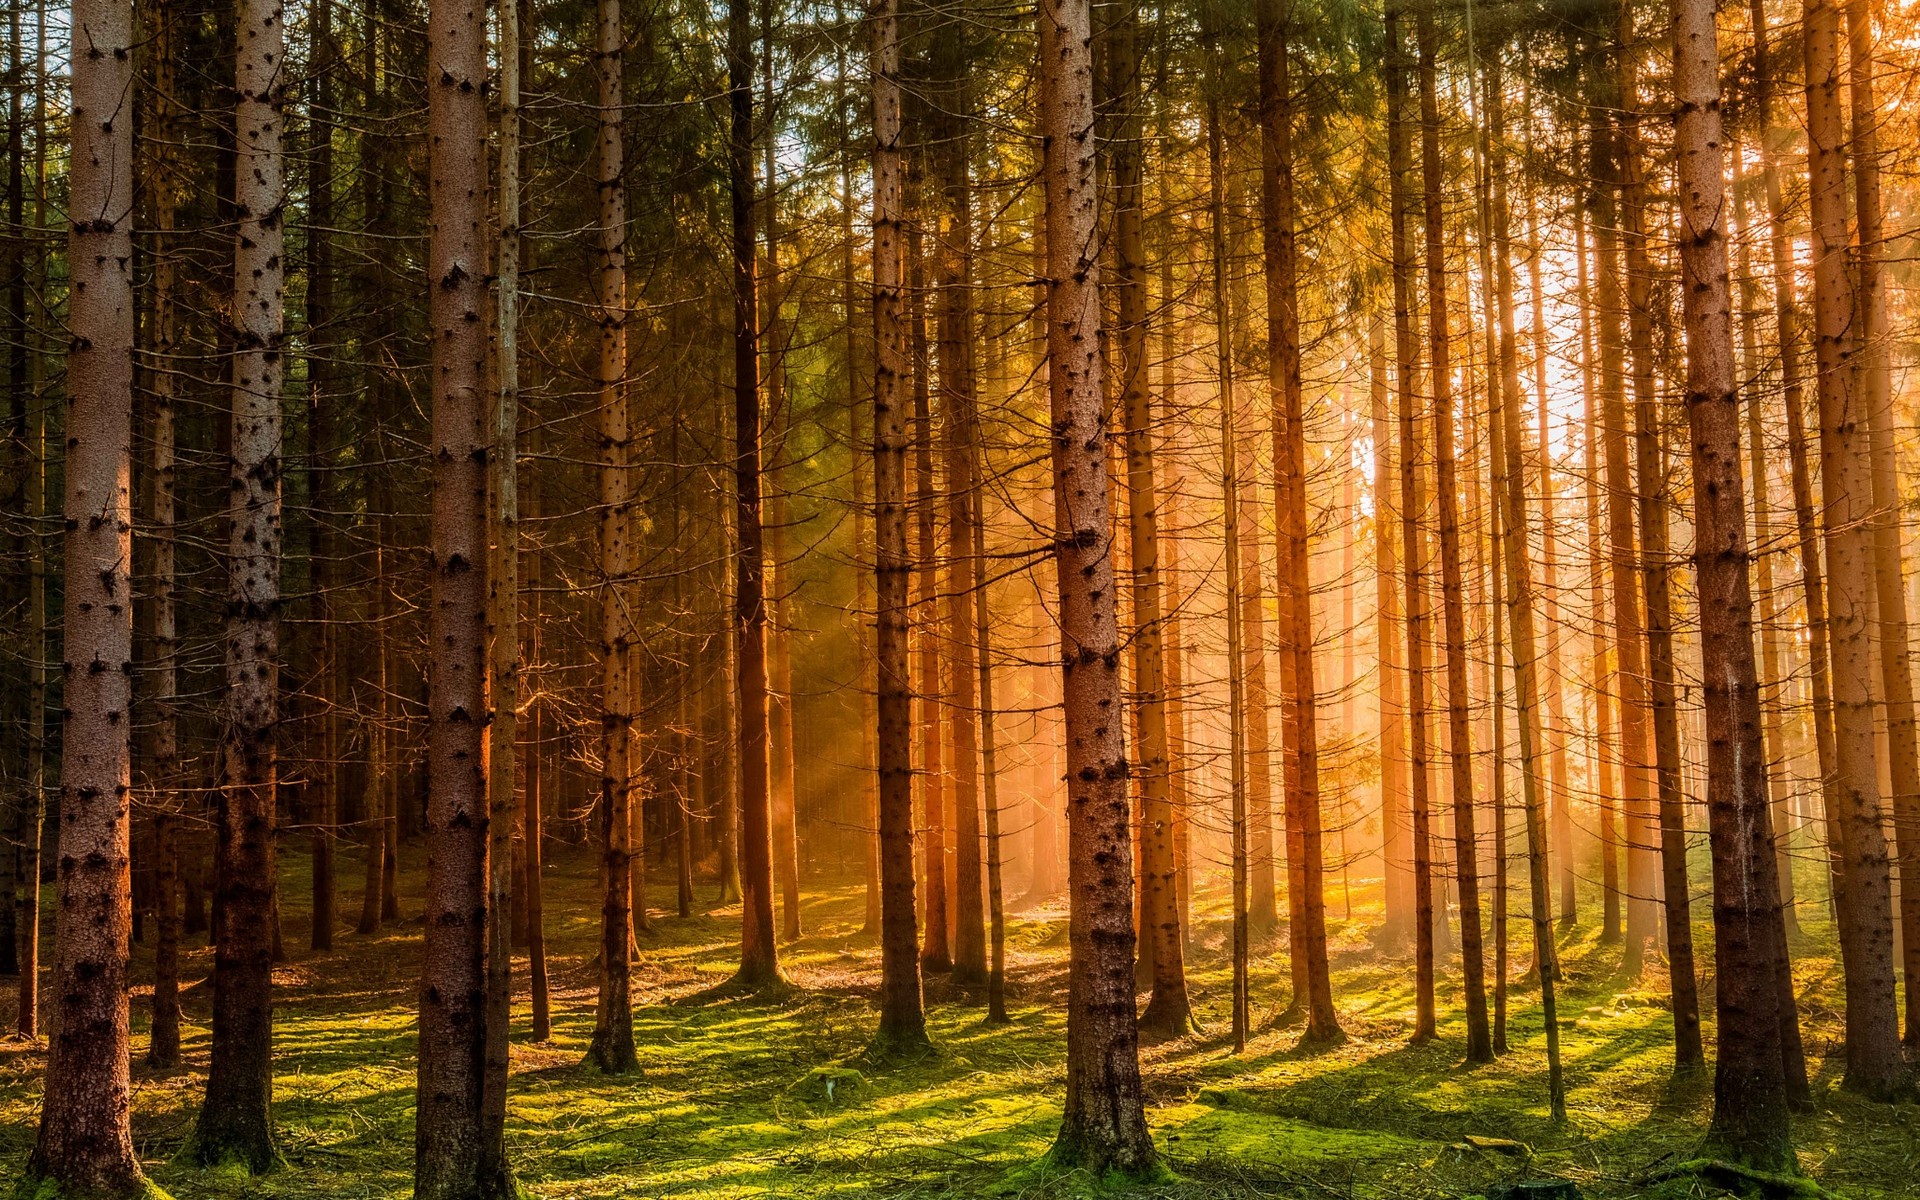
[(42, 1187), (1169, 1017), (251, 1150), (612, 1054), (1746, 1181)]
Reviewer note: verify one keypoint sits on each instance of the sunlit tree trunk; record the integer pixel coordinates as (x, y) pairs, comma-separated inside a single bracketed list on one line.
[(321, 402), (1459, 699), (1750, 1121), (611, 1049), (449, 1128), (85, 1144), (902, 1021), (1389, 640), (1599, 658), (1103, 1127), (1873, 377), (1651, 496), (1875, 1065), (1412, 509), (235, 1123), (1306, 899)]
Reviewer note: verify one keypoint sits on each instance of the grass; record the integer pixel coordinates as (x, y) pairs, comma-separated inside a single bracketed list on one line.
[(744, 1097)]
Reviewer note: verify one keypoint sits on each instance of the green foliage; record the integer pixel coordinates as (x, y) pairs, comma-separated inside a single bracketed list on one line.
[(732, 1097)]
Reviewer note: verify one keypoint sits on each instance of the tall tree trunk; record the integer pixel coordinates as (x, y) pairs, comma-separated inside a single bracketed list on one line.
[(1873, 376), (902, 1020), (1750, 1121), (325, 790), (1396, 862), (759, 954), (611, 1049), (449, 1128), (1675, 893), (1103, 1128), (503, 613), (1875, 1064), (1599, 657), (85, 1144), (1169, 1012), (1412, 508), (1512, 497), (1306, 898), (958, 403), (1459, 700), (935, 948), (163, 736), (235, 1123), (1629, 635), (375, 731)]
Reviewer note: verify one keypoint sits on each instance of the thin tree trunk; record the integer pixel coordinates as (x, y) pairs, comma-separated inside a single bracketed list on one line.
[(503, 615), (1459, 700), (1412, 507), (759, 954), (612, 1049), (1601, 662), (902, 1020), (235, 1123), (1389, 640), (935, 949), (1306, 896), (1169, 1012), (325, 790), (1103, 1128), (1875, 1064)]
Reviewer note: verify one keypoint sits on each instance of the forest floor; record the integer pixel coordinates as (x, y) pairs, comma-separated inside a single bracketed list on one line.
[(734, 1098)]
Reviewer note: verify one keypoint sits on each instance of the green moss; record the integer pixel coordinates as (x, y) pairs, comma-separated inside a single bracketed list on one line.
[(729, 1101)]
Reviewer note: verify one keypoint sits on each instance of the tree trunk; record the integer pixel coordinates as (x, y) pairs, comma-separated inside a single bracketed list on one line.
[(903, 1025), (163, 737), (1103, 1127), (1396, 862), (1169, 1012), (325, 789), (759, 955), (235, 1123), (503, 615), (84, 1143), (1873, 376), (449, 1129), (1601, 664), (1459, 700), (1412, 507), (935, 949), (958, 404), (1750, 1123), (1306, 898), (611, 1049), (1875, 1065)]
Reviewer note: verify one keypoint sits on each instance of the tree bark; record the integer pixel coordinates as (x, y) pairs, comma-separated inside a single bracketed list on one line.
[(1459, 699), (1103, 1126), (1389, 640), (903, 1024), (1412, 508), (1750, 1122), (84, 1143), (612, 1049), (235, 1123), (1875, 1065)]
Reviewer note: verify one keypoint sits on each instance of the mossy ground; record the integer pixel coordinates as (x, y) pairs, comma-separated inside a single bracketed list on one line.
[(731, 1099)]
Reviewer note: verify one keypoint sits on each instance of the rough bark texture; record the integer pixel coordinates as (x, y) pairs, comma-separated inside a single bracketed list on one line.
[(1306, 898), (448, 1127), (236, 1121), (902, 1019), (1875, 1065), (936, 952), (84, 1143), (1750, 1099), (759, 954), (1412, 509), (1459, 698), (612, 1047), (1169, 1012), (1103, 1128)]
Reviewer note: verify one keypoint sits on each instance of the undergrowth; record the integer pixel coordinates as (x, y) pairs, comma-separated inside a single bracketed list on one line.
[(757, 1095)]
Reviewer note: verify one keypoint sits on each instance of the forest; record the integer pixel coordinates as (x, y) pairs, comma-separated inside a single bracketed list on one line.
[(951, 598)]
